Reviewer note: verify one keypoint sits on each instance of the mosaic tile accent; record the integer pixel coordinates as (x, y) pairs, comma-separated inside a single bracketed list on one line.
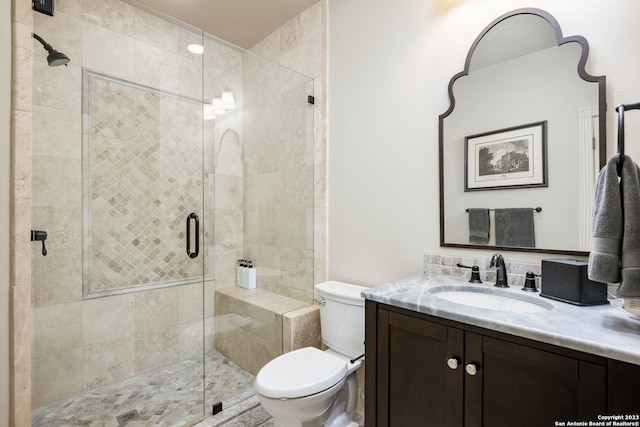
[(169, 396), (142, 175)]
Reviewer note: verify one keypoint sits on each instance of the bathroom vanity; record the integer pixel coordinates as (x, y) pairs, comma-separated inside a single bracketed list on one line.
[(434, 362)]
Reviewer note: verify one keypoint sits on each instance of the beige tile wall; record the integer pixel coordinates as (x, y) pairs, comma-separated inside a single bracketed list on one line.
[(20, 211), (249, 325), (5, 167), (284, 199), (223, 68), (278, 186), (300, 45), (301, 328)]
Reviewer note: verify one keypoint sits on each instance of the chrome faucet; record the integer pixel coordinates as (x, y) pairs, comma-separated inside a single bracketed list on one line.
[(497, 262)]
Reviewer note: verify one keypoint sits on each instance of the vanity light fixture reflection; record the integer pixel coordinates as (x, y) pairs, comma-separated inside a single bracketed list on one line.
[(207, 112), (216, 104), (219, 105), (228, 100)]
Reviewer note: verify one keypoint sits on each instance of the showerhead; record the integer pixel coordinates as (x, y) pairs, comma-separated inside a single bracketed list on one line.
[(54, 58)]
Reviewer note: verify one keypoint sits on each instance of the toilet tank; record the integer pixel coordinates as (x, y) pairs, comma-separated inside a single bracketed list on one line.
[(342, 317)]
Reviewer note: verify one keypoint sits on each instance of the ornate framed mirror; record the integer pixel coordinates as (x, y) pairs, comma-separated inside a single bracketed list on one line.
[(523, 107)]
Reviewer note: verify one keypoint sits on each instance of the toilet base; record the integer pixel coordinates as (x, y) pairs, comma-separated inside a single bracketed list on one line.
[(339, 413)]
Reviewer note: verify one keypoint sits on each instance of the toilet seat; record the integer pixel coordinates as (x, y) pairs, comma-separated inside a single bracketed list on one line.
[(300, 373)]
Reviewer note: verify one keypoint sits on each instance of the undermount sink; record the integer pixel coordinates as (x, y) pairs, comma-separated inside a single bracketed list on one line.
[(491, 299)]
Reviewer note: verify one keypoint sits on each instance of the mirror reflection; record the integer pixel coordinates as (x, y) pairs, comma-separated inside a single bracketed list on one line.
[(522, 141)]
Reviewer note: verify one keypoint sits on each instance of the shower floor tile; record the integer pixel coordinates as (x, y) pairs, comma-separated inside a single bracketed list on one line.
[(168, 396)]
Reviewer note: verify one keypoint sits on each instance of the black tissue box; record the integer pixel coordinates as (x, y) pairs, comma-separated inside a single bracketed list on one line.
[(566, 280)]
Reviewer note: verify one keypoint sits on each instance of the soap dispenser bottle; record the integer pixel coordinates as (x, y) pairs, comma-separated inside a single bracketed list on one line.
[(250, 276), (240, 267)]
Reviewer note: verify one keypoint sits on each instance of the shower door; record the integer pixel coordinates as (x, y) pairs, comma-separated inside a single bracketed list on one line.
[(119, 188)]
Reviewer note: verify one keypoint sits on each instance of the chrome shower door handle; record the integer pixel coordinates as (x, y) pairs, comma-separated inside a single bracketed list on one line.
[(190, 217)]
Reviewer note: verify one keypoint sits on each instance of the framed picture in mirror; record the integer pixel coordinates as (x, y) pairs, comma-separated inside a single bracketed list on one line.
[(514, 157)]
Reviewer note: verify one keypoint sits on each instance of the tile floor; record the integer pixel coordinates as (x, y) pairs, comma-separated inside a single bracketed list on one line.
[(169, 396)]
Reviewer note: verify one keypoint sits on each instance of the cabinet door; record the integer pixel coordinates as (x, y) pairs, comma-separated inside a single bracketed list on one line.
[(415, 384), (529, 387), (623, 380)]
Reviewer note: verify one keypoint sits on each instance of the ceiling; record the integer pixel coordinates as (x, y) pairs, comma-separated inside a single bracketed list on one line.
[(240, 22)]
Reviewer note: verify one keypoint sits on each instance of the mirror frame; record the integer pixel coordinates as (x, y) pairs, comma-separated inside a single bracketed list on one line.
[(582, 73)]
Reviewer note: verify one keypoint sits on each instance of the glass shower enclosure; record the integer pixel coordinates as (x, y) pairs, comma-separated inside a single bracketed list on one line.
[(144, 182)]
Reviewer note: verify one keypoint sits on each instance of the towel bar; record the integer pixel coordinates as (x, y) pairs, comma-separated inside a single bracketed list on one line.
[(538, 209)]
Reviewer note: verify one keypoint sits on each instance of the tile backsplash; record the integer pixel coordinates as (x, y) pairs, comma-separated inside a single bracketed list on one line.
[(448, 265)]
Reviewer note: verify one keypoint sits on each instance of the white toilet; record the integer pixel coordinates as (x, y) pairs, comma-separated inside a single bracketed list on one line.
[(310, 387)]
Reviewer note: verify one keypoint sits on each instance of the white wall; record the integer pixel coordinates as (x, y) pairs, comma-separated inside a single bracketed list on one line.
[(389, 68), (5, 126)]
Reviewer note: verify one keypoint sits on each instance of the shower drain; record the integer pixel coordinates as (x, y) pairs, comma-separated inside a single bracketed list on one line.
[(122, 419)]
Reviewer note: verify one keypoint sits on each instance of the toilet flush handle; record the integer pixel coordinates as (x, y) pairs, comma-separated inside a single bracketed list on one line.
[(320, 301), (354, 360)]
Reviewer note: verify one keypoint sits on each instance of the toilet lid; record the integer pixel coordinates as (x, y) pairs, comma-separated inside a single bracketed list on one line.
[(300, 373)]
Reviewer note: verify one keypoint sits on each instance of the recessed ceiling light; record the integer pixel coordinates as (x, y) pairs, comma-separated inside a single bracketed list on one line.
[(198, 49)]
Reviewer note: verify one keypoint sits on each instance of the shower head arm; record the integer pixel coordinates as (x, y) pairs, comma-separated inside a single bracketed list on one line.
[(46, 45)]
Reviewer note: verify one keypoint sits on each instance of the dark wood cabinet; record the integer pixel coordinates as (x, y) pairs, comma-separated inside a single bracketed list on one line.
[(623, 381), (412, 375), (535, 387), (426, 371)]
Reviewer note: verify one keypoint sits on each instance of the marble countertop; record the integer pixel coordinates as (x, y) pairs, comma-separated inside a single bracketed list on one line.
[(601, 330)]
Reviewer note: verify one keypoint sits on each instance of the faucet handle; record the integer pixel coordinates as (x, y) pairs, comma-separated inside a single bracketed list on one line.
[(40, 236), (530, 282), (475, 273)]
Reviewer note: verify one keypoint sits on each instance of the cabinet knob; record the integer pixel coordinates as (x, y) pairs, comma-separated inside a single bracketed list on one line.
[(453, 362), (471, 368)]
